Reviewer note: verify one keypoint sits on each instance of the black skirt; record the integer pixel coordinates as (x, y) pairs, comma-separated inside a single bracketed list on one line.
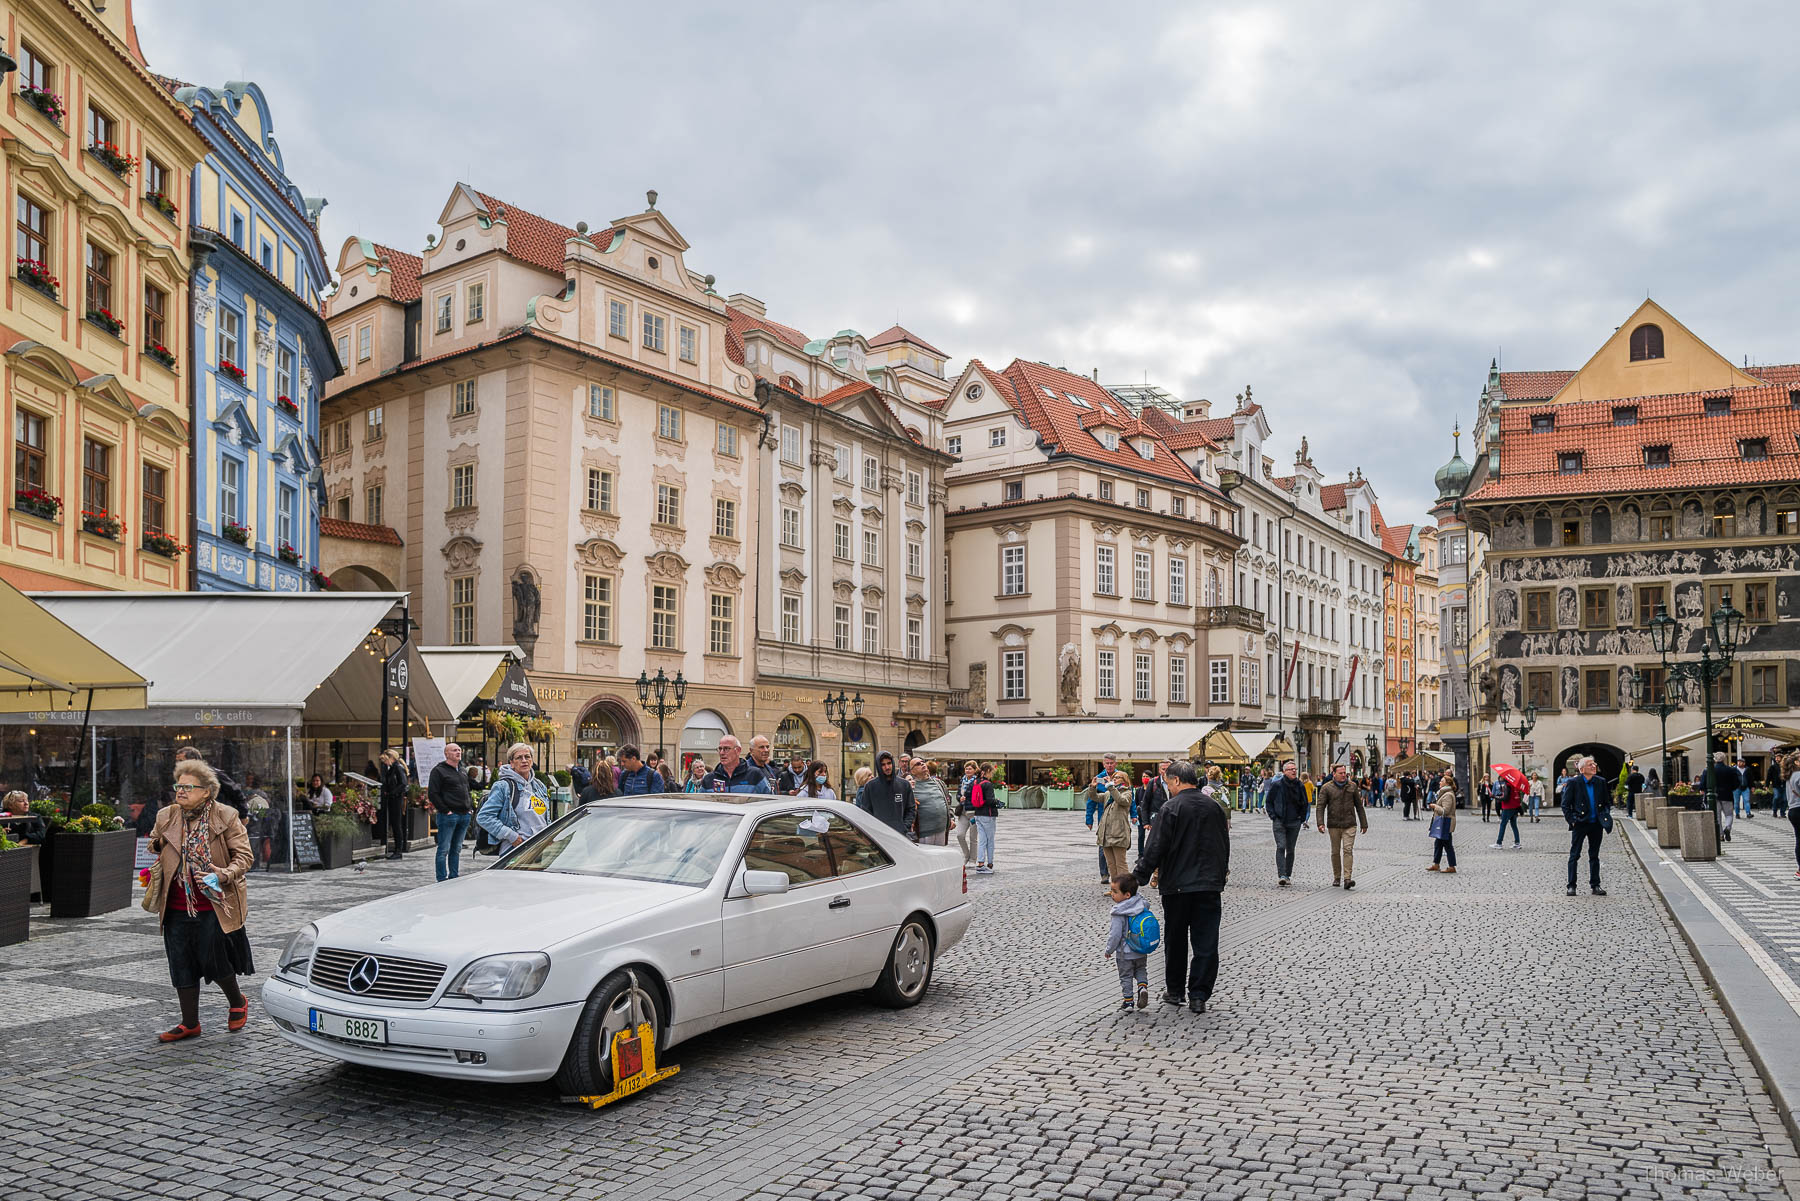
[(198, 950)]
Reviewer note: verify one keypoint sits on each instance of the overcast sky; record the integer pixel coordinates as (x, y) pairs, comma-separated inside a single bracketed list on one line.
[(1350, 207)]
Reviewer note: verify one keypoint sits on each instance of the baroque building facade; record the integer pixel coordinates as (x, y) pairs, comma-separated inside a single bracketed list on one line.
[(1657, 477), (95, 383), (1453, 613)]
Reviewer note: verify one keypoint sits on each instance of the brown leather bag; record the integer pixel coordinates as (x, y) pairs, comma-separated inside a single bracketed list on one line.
[(155, 891)]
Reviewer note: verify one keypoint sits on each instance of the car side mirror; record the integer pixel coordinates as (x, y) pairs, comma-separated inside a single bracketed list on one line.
[(762, 884)]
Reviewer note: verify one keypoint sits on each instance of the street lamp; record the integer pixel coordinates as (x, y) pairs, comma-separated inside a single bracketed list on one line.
[(1664, 705), (1522, 731), (841, 711), (1717, 648), (659, 686)]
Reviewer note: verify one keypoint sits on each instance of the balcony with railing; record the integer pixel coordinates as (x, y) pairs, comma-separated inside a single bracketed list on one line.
[(1232, 616), (1318, 707)]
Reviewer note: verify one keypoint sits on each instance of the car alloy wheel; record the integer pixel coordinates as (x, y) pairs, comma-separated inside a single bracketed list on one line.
[(587, 1066), (908, 973)]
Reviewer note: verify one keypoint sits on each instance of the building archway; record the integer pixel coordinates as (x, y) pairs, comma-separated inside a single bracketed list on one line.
[(1608, 758), (794, 736), (914, 740), (700, 738), (606, 723), (356, 577)]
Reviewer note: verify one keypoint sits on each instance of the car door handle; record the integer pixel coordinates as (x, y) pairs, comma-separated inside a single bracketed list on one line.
[(839, 903)]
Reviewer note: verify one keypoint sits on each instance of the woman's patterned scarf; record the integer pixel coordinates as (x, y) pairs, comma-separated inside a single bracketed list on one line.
[(196, 862)]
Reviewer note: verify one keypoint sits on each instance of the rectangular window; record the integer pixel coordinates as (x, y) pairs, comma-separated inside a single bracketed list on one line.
[(237, 230), (871, 548), (1718, 406), (790, 526), (372, 507), (915, 560), (462, 610), (341, 506), (30, 453), (1106, 490), (374, 424), (1106, 675), (34, 231), (871, 632), (1012, 490), (462, 398), (1652, 683), (841, 463), (1249, 685), (1012, 675), (102, 130), (364, 340), (997, 437), (790, 444), (727, 443), (664, 630), (1765, 684), (96, 476), (284, 517), (1662, 527), (668, 505), (343, 349), (1141, 667), (1178, 679), (653, 333), (915, 638), (1756, 602), (445, 310), (720, 625), (725, 518), (1596, 687), (1140, 575), (1543, 423), (1012, 571), (790, 618), (1724, 525), (597, 608), (953, 444), (871, 473), (1724, 692), (1539, 611), (156, 305), (34, 70), (668, 422), (231, 491), (231, 338), (601, 402), (616, 317), (1719, 594), (599, 490), (1569, 462), (476, 308), (1218, 681), (1596, 608), (1787, 521), (462, 486), (1104, 583), (156, 498), (1178, 581), (284, 372), (690, 345), (1656, 456), (1179, 506), (840, 627), (840, 539), (1625, 414)]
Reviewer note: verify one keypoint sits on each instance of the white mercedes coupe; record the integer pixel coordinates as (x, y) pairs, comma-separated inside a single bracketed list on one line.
[(694, 911)]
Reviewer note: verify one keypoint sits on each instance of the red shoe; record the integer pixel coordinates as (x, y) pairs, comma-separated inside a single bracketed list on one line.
[(236, 1018), (178, 1033)]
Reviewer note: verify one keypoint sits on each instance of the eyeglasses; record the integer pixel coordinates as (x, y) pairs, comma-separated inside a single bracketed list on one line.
[(184, 789)]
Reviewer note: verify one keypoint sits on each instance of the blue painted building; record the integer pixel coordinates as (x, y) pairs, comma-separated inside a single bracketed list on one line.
[(260, 354)]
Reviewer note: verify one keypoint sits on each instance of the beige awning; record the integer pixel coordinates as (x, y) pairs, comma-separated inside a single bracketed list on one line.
[(1257, 743), (46, 667), (1739, 726), (1421, 760), (1078, 740), (466, 674)]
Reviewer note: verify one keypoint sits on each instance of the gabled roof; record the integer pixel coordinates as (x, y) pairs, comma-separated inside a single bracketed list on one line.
[(1331, 496), (897, 333), (537, 240), (1533, 385), (356, 531), (1042, 395), (405, 269), (741, 323), (845, 392), (1394, 539), (1183, 435)]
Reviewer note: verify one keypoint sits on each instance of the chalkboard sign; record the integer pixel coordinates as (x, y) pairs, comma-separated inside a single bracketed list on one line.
[(306, 845)]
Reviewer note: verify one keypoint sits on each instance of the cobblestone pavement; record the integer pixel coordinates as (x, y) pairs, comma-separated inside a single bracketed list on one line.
[(1754, 882), (1412, 1039)]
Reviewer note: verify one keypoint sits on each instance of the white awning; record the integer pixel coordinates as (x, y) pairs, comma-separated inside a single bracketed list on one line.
[(46, 665), (245, 659), (1131, 740), (463, 673), (1257, 742)]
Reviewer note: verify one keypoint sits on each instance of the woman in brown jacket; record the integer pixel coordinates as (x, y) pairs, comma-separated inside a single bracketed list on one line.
[(203, 852), (1444, 806)]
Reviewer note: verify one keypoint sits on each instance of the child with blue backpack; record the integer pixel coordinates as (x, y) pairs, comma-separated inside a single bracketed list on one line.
[(1134, 934)]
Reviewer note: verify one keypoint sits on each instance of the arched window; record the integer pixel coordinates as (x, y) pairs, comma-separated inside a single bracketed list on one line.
[(1212, 586), (1646, 343)]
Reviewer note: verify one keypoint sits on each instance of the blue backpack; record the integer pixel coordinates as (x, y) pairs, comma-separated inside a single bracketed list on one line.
[(1143, 933)]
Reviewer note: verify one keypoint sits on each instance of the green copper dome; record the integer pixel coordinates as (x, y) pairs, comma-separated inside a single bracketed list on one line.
[(1453, 476)]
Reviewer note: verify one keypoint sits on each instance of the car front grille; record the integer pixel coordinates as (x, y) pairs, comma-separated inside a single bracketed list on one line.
[(395, 979)]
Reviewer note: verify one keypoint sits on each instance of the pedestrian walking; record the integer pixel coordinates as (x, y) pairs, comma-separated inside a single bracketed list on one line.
[(1486, 794), (394, 784), (816, 782), (1112, 833), (1409, 796), (1511, 802), (1741, 794), (1189, 855), (197, 886), (447, 788), (931, 805), (1130, 938), (1791, 798), (965, 824), (1340, 814), (1287, 808), (515, 807), (636, 778), (792, 779), (1785, 797), (888, 797), (1443, 825), (1587, 807), (983, 806), (1634, 784)]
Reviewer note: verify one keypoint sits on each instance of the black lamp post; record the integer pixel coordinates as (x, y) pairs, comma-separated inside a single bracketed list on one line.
[(841, 711), (1717, 647), (1663, 705), (1522, 731), (1374, 760), (658, 687)]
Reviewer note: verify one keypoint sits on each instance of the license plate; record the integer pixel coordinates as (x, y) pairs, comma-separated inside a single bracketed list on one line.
[(356, 1030)]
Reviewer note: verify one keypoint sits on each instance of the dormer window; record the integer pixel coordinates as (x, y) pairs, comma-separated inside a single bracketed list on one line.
[(1718, 406), (1794, 398), (1752, 449), (1077, 401), (1625, 414), (1646, 343), (1656, 456), (1109, 439), (1543, 423), (1569, 462), (1146, 449), (1106, 492)]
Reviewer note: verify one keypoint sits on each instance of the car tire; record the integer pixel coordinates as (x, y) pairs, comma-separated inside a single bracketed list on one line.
[(587, 1065), (907, 974)]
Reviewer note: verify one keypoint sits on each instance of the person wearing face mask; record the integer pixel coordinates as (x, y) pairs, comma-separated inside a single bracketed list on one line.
[(817, 782), (933, 805), (202, 854), (965, 828)]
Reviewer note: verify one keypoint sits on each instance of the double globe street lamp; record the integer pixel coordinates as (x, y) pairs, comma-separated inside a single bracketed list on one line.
[(842, 711), (1663, 704), (1717, 648), (1522, 731), (659, 687)]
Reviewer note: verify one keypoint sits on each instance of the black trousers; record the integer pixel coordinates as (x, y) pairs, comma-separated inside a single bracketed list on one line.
[(1192, 921), (1286, 835), (393, 816), (1592, 832)]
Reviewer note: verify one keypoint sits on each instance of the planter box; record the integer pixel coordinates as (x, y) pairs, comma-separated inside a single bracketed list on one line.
[(335, 851), (1699, 840), (362, 839), (1059, 798), (94, 872), (1668, 826), (418, 825), (15, 894)]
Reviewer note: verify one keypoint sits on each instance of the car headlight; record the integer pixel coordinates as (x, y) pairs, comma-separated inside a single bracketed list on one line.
[(502, 977), (299, 951)]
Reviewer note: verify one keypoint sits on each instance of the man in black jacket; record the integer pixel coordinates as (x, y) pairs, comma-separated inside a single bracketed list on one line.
[(1287, 806), (1409, 797), (1190, 853), (1149, 798), (889, 797)]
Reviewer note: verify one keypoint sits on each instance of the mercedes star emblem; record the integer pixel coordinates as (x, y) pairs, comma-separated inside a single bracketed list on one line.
[(364, 974)]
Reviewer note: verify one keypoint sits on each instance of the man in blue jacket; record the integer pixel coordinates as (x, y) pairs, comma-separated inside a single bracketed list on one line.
[(735, 773), (1587, 807), (1287, 808), (636, 778)]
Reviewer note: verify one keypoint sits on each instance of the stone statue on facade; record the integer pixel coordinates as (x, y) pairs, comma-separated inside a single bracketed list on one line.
[(525, 605), (1509, 688), (1068, 677), (1565, 608), (978, 687)]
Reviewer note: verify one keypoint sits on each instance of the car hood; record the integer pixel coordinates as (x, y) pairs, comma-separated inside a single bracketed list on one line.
[(492, 912)]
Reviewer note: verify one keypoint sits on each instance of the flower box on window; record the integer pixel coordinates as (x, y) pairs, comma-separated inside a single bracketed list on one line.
[(161, 544), (229, 368), (162, 204), (34, 273), (38, 503), (116, 160), (159, 352), (320, 580), (288, 554), (48, 103), (101, 522), (234, 532), (105, 319), (288, 406)]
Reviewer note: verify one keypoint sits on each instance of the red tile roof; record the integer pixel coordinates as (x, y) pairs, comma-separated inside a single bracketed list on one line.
[(1704, 451), (844, 392), (1785, 373), (896, 333), (1042, 396), (1394, 539), (1182, 435), (405, 269), (1533, 385), (1331, 496), (741, 323), (356, 531), (537, 240)]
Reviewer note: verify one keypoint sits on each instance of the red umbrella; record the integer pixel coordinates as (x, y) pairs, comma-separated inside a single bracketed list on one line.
[(1513, 776)]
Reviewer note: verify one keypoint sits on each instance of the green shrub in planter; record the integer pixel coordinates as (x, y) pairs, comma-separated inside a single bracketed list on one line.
[(336, 835)]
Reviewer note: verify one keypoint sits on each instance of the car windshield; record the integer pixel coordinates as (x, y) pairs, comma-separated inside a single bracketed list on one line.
[(665, 846)]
